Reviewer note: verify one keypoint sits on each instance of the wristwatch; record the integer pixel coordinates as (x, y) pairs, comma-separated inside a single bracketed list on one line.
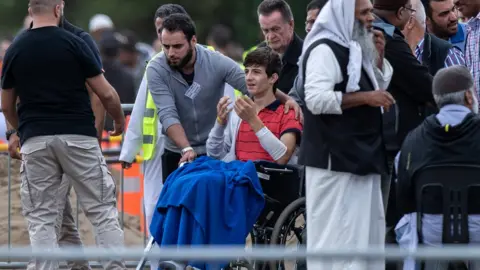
[(186, 149), (9, 133)]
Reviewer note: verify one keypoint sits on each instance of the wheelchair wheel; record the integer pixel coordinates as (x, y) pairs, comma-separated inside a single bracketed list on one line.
[(240, 265), (288, 226)]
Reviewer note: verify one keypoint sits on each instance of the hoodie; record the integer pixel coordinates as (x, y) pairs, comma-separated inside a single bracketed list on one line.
[(433, 143)]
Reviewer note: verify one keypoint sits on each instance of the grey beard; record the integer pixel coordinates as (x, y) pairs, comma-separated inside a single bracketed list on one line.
[(365, 40)]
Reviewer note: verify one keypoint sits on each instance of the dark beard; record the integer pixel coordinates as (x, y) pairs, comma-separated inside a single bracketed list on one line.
[(440, 32), (184, 61), (60, 23)]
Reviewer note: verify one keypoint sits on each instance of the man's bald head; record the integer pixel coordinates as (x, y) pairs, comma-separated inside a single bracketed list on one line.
[(38, 7), (420, 15)]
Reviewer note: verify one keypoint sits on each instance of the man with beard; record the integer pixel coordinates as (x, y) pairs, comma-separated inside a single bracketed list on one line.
[(456, 126), (442, 21), (345, 76), (144, 133), (186, 81)]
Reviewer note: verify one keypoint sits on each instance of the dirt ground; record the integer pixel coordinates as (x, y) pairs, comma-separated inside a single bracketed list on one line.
[(18, 230)]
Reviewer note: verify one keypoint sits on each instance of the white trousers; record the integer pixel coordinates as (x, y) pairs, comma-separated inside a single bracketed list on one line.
[(344, 211)]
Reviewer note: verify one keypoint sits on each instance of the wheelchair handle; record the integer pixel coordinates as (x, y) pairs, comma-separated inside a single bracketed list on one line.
[(285, 170)]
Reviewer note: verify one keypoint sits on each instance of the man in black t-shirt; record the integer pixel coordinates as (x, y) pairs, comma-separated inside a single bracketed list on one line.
[(67, 231), (56, 127)]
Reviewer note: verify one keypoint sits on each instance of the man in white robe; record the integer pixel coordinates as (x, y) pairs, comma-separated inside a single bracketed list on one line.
[(345, 76)]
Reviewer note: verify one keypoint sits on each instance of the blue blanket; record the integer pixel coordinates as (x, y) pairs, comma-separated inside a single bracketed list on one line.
[(208, 202)]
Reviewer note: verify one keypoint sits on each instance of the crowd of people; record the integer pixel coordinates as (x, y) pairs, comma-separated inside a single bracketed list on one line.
[(377, 92)]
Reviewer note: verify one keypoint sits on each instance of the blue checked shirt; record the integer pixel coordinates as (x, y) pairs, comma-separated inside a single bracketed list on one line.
[(454, 56)]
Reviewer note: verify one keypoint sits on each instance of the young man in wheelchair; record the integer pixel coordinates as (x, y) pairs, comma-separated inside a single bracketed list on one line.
[(255, 128), (446, 140)]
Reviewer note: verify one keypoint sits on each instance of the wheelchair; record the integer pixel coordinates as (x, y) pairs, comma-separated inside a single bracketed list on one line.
[(282, 221)]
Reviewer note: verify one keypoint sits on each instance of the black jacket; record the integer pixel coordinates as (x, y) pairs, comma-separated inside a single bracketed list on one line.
[(123, 82), (435, 52), (289, 64), (411, 86), (429, 144)]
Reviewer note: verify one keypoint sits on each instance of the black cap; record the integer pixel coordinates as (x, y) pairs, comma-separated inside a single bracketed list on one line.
[(128, 41), (109, 43)]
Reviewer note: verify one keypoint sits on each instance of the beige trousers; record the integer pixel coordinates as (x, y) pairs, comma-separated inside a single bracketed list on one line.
[(46, 159), (65, 227)]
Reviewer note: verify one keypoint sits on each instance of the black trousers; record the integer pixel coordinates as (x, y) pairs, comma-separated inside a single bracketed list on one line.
[(170, 162)]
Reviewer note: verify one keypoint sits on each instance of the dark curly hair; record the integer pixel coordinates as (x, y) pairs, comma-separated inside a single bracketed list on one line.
[(180, 22), (267, 58)]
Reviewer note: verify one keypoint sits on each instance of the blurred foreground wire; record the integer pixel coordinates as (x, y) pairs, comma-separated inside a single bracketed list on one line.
[(221, 253)]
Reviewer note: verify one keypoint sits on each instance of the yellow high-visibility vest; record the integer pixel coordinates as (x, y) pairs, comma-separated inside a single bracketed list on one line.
[(150, 123), (150, 120), (244, 55)]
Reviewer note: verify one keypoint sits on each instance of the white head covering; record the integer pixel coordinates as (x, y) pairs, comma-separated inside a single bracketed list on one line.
[(100, 21), (335, 22)]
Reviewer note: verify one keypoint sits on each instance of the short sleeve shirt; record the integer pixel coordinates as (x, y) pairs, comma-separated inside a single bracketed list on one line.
[(48, 67), (248, 146)]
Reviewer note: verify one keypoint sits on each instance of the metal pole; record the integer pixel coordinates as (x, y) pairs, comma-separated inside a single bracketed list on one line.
[(146, 235), (93, 265), (222, 253), (76, 213), (9, 202), (122, 205), (122, 184), (127, 107)]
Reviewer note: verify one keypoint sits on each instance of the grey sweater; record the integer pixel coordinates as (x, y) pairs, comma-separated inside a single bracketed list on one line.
[(194, 107)]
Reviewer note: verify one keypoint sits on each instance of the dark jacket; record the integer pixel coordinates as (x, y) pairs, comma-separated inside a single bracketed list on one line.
[(123, 82), (289, 64), (435, 51), (429, 144), (411, 86)]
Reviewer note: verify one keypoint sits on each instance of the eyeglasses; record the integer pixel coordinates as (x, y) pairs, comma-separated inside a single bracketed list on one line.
[(410, 9)]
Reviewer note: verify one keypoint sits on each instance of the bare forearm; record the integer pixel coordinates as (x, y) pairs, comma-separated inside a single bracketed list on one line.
[(176, 133), (108, 97), (351, 100), (9, 126), (98, 112), (11, 118), (9, 108), (282, 96), (112, 105), (256, 124)]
